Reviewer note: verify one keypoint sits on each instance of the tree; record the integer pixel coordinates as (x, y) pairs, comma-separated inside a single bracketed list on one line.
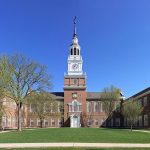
[(110, 99), (131, 111), (43, 105), (19, 77)]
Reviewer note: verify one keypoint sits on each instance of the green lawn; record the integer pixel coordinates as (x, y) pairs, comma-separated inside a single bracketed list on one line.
[(95, 135), (78, 149)]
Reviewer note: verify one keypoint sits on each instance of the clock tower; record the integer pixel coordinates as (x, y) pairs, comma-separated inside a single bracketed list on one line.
[(74, 85)]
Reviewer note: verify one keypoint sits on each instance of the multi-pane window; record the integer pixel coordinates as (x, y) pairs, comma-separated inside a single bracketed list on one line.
[(38, 122), (75, 106), (145, 120), (102, 107), (9, 121), (145, 101), (89, 106), (33, 108), (46, 122), (96, 106), (52, 122), (3, 121), (117, 122), (31, 122), (75, 81), (140, 121)]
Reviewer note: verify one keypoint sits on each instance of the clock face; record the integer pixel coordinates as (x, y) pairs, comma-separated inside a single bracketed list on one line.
[(75, 66)]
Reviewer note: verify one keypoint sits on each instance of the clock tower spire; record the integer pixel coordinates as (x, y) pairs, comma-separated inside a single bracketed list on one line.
[(75, 59)]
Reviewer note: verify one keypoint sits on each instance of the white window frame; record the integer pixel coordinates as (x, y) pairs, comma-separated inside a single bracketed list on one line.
[(72, 106)]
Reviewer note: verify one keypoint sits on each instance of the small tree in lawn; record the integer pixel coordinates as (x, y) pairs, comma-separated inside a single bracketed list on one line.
[(131, 111), (19, 77), (43, 105), (110, 99)]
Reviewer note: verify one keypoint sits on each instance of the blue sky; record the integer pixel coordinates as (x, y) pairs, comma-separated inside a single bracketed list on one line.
[(114, 36)]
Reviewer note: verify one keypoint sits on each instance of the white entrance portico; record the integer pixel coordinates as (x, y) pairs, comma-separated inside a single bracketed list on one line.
[(74, 121)]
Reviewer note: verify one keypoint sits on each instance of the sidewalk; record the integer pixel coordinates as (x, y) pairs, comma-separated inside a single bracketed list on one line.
[(96, 145)]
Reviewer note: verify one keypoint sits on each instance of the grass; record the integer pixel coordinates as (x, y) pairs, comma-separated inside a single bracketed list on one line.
[(82, 135), (78, 149)]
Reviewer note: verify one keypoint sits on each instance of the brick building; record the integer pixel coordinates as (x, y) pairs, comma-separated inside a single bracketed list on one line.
[(143, 98), (81, 108)]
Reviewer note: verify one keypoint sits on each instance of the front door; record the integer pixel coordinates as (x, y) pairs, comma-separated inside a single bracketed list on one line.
[(75, 122)]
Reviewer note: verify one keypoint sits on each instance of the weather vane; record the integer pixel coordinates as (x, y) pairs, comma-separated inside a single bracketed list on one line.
[(75, 25)]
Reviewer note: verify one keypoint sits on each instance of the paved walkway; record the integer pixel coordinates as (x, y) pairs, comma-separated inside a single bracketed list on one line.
[(97, 145), (146, 131)]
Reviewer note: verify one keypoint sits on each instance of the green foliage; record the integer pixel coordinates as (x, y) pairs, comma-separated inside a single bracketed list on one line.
[(110, 99), (131, 111), (44, 105), (20, 76)]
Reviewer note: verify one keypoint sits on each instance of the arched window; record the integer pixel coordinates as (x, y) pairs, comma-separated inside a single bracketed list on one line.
[(74, 51), (71, 52), (75, 106), (78, 51)]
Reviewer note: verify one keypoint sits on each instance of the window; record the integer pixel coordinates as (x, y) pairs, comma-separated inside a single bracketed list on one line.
[(89, 106), (75, 106), (140, 121), (96, 106), (33, 108), (145, 101), (59, 123), (75, 81), (125, 122), (46, 122), (145, 120), (117, 122), (3, 121), (31, 122), (71, 52), (74, 51), (112, 122), (9, 121), (102, 107), (38, 122), (52, 122), (78, 51)]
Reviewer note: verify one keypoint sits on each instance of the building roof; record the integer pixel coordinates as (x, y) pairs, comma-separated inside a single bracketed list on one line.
[(94, 95), (58, 95), (140, 93), (90, 95)]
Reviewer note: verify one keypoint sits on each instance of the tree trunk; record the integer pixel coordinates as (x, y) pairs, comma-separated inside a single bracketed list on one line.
[(19, 117), (41, 122), (131, 127)]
